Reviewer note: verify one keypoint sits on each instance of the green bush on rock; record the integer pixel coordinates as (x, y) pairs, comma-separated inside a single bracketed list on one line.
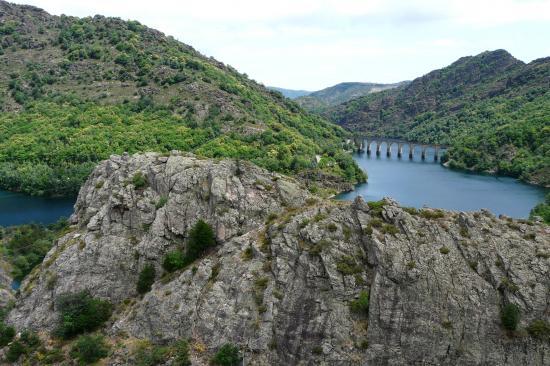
[(227, 355), (361, 304), (146, 279), (539, 329), (80, 312), (173, 261), (510, 316), (89, 349), (201, 238)]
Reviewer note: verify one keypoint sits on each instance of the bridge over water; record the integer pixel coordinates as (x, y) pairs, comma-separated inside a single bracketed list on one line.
[(378, 144)]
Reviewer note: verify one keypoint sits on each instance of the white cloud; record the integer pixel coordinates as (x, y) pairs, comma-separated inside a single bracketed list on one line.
[(313, 43)]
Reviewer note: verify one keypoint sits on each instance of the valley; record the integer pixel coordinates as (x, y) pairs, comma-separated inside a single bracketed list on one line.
[(160, 207)]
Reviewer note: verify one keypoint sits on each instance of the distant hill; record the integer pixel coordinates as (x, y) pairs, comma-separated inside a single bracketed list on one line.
[(320, 100), (290, 93), (74, 91), (492, 109)]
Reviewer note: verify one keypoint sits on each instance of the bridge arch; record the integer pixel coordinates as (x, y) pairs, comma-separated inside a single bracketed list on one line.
[(392, 145)]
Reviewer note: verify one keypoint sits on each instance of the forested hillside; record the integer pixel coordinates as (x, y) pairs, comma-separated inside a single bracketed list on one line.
[(491, 109), (73, 91)]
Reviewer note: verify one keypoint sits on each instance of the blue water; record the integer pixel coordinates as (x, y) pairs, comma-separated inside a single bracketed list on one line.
[(16, 209), (420, 183), (15, 285)]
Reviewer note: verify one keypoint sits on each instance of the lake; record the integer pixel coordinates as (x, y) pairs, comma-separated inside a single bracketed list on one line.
[(17, 208), (421, 183), (413, 182)]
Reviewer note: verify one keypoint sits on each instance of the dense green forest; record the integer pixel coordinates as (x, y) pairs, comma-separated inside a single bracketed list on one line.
[(73, 91), (492, 110), (24, 247)]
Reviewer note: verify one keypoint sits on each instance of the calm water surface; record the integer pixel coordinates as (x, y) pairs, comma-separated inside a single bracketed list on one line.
[(16, 209), (417, 183), (411, 182)]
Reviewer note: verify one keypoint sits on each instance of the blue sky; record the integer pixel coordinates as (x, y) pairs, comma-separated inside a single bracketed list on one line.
[(312, 44)]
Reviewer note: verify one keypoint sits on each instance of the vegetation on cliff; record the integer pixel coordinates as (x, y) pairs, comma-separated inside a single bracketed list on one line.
[(73, 91)]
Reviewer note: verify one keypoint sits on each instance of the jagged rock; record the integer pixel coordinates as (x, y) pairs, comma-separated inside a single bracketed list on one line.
[(6, 295), (287, 267)]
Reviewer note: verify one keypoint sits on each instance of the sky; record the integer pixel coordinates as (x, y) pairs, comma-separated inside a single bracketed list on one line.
[(313, 44)]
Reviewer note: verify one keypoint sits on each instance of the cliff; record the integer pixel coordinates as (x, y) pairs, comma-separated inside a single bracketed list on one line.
[(288, 278)]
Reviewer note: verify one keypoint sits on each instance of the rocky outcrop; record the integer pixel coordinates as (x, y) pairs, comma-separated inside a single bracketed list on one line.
[(283, 281), (6, 295)]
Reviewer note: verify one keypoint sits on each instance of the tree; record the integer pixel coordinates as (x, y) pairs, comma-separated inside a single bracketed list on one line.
[(81, 312), (173, 261), (89, 349), (146, 279), (510, 316), (227, 355), (201, 238)]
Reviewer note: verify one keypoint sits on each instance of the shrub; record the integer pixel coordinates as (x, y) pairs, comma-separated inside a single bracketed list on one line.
[(89, 349), (248, 253), (139, 180), (332, 227), (227, 355), (173, 261), (30, 339), (444, 250), (411, 210), (390, 229), (360, 305), (53, 357), (146, 279), (182, 354), (6, 334), (432, 214), (271, 217), (317, 350), (201, 238), (539, 329), (376, 223), (347, 266), (319, 217), (376, 207), (80, 312), (161, 202), (464, 232), (148, 355), (15, 351), (510, 316)]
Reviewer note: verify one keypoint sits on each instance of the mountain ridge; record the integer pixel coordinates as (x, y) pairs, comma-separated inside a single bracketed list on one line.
[(321, 100), (290, 93), (75, 90), (491, 109)]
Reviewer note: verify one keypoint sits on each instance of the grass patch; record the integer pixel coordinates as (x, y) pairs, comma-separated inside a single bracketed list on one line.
[(347, 266), (139, 180), (361, 304), (432, 214)]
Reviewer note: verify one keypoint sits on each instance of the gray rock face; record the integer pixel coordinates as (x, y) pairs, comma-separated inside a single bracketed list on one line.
[(288, 268), (6, 295)]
